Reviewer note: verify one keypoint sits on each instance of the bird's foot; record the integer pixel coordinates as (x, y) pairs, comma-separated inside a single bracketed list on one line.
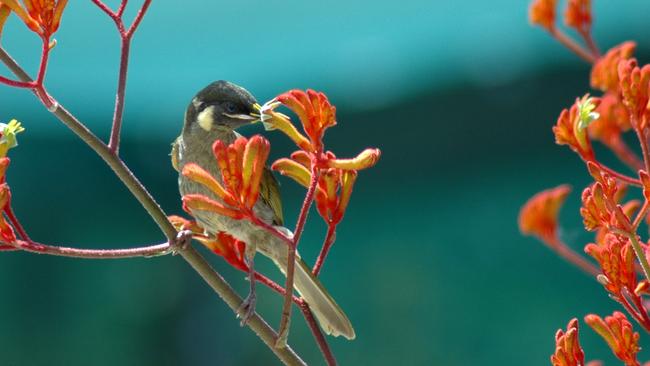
[(247, 308), (182, 241)]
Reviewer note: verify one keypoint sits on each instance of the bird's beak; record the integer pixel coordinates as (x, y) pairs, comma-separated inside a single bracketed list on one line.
[(256, 113), (243, 117)]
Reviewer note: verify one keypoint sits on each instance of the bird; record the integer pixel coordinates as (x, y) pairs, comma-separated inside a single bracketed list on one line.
[(214, 114)]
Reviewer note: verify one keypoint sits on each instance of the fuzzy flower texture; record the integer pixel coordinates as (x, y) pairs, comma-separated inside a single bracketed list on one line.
[(619, 249)]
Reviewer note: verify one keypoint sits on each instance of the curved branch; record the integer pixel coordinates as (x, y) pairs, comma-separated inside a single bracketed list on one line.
[(193, 257)]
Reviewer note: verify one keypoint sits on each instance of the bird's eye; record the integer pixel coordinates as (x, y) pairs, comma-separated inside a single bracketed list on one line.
[(229, 107)]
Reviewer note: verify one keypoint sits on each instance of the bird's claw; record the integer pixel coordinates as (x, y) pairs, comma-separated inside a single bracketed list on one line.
[(247, 309), (182, 241)]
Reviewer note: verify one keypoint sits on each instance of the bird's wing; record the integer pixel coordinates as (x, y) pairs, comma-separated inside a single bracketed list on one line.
[(270, 193), (174, 155)]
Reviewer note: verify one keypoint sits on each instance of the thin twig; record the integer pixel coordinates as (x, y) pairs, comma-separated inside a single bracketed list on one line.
[(308, 315), (625, 154), (574, 258), (620, 176), (291, 264), (194, 258), (125, 47), (569, 43), (330, 237), (39, 248)]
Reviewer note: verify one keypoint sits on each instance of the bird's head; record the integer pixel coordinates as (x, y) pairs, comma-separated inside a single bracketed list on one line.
[(221, 105)]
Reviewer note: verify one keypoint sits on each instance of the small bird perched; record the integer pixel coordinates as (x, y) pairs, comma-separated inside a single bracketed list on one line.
[(214, 114)]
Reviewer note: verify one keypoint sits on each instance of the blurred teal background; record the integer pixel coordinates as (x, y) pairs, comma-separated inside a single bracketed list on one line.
[(429, 263)]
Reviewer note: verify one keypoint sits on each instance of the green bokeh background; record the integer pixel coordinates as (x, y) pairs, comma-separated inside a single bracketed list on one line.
[(429, 263)]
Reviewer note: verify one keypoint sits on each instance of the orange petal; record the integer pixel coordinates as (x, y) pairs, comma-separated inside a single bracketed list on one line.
[(197, 174), (348, 178), (539, 215), (255, 156), (282, 123), (293, 170), (203, 203), (58, 12), (366, 159), (542, 13)]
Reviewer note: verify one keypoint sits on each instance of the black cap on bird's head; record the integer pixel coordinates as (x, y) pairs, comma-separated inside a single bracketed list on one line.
[(221, 103)]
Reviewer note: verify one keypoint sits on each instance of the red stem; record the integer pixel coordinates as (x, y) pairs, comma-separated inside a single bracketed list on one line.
[(569, 43), (125, 36), (643, 140), (641, 215), (315, 329), (309, 318), (574, 258), (330, 237), (625, 154), (589, 40), (283, 331), (16, 224), (114, 142), (148, 251), (645, 323), (619, 176), (138, 18), (120, 10), (16, 83), (630, 309)]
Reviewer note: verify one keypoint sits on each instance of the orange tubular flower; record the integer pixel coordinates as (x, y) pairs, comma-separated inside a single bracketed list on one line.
[(41, 16), (539, 215), (578, 15), (613, 121), (634, 85), (571, 126), (333, 189), (242, 165), (542, 13), (6, 231), (224, 245), (604, 74), (616, 259), (315, 111), (333, 194), (568, 351), (617, 331)]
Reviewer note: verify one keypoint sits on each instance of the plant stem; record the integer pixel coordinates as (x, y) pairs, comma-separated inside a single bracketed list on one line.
[(315, 329), (330, 237), (574, 258), (39, 248), (218, 284), (640, 254), (309, 318), (569, 43), (625, 154), (116, 128), (641, 215), (591, 44), (300, 226), (125, 47), (619, 176)]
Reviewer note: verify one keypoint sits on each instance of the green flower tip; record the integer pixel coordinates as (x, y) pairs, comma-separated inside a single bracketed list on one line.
[(9, 132), (586, 114)]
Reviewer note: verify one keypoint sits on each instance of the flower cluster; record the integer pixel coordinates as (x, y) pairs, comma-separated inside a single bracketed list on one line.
[(41, 16), (335, 176), (617, 331), (567, 347), (7, 141), (242, 165), (618, 248)]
